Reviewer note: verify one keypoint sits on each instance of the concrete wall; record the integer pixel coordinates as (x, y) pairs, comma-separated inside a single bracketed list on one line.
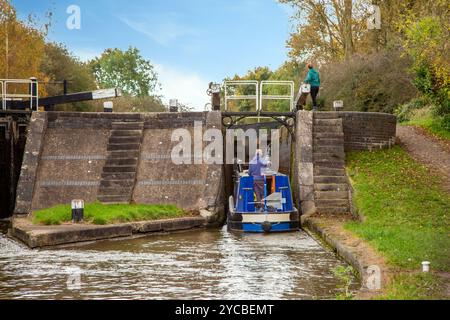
[(66, 152), (159, 180)]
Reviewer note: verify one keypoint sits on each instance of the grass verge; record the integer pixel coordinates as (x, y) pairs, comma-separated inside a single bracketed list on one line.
[(100, 214), (423, 118), (405, 210), (418, 286)]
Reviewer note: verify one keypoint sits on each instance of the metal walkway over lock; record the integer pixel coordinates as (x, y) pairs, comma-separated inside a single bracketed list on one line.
[(23, 94), (29, 98), (259, 96)]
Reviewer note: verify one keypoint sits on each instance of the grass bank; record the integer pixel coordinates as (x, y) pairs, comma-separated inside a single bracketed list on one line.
[(100, 214), (405, 210), (424, 119), (432, 125)]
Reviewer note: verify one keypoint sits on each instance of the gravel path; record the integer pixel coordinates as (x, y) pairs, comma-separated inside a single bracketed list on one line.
[(427, 151)]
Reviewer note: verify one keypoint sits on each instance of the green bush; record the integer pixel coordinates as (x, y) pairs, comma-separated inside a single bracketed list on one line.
[(423, 80), (445, 122), (442, 100), (406, 110)]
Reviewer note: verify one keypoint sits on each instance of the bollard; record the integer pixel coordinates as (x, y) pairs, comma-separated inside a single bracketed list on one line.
[(173, 105), (426, 266), (214, 91), (33, 89), (338, 105), (108, 106), (77, 211)]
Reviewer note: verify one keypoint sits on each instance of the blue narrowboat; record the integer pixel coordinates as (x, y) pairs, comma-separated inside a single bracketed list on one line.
[(275, 213)]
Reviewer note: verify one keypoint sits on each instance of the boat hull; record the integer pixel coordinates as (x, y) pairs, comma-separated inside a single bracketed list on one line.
[(263, 222)]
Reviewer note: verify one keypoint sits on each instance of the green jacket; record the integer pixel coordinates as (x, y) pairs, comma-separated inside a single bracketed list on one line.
[(313, 78)]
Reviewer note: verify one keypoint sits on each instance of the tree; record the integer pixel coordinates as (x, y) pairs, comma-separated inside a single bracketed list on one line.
[(428, 43), (131, 104), (59, 64), (22, 45), (126, 70), (327, 29), (291, 70)]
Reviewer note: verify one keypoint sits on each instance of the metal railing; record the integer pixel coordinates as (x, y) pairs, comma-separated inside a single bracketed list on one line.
[(234, 96), (32, 93), (259, 96), (289, 97), (1, 95)]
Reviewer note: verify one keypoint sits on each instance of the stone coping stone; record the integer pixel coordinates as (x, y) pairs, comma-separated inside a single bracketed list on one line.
[(168, 225), (39, 236)]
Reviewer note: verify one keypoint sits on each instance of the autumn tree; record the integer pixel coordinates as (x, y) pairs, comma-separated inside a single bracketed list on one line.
[(327, 29), (21, 45)]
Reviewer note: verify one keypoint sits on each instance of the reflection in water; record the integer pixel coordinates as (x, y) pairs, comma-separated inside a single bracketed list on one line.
[(207, 264)]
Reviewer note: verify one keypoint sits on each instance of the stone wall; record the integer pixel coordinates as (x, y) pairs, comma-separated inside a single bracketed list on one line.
[(303, 183), (66, 152)]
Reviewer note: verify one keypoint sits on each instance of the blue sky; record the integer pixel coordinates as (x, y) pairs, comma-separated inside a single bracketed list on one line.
[(190, 42)]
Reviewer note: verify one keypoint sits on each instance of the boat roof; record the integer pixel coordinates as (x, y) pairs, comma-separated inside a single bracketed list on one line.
[(265, 173)]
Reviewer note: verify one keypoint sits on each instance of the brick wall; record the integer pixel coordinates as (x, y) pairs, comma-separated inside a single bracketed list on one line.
[(368, 130)]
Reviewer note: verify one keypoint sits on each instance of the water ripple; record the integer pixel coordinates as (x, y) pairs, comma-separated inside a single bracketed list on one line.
[(209, 264)]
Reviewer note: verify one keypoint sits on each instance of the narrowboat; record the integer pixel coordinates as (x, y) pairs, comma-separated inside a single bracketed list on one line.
[(275, 213)]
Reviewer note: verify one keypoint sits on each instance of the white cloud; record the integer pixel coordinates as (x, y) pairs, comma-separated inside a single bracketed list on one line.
[(86, 54), (163, 32), (188, 87)]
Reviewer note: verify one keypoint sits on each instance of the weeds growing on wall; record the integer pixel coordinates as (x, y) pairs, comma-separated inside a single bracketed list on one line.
[(344, 274)]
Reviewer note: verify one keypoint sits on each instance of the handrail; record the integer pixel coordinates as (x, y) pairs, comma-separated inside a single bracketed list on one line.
[(234, 83), (33, 85), (290, 97), (1, 96)]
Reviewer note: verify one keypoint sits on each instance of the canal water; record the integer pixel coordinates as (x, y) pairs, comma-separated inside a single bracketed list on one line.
[(206, 264)]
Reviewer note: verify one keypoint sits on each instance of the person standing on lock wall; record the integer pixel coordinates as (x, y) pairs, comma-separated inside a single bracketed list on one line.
[(313, 79)]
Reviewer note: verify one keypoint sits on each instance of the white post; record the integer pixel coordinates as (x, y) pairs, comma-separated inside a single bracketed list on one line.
[(426, 266)]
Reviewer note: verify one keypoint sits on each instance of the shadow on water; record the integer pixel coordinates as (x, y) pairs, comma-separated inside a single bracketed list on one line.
[(207, 264)]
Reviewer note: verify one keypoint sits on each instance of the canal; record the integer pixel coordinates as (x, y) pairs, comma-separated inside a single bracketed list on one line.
[(202, 264)]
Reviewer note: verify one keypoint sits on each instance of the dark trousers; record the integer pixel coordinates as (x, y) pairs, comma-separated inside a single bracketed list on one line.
[(258, 186), (314, 93)]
